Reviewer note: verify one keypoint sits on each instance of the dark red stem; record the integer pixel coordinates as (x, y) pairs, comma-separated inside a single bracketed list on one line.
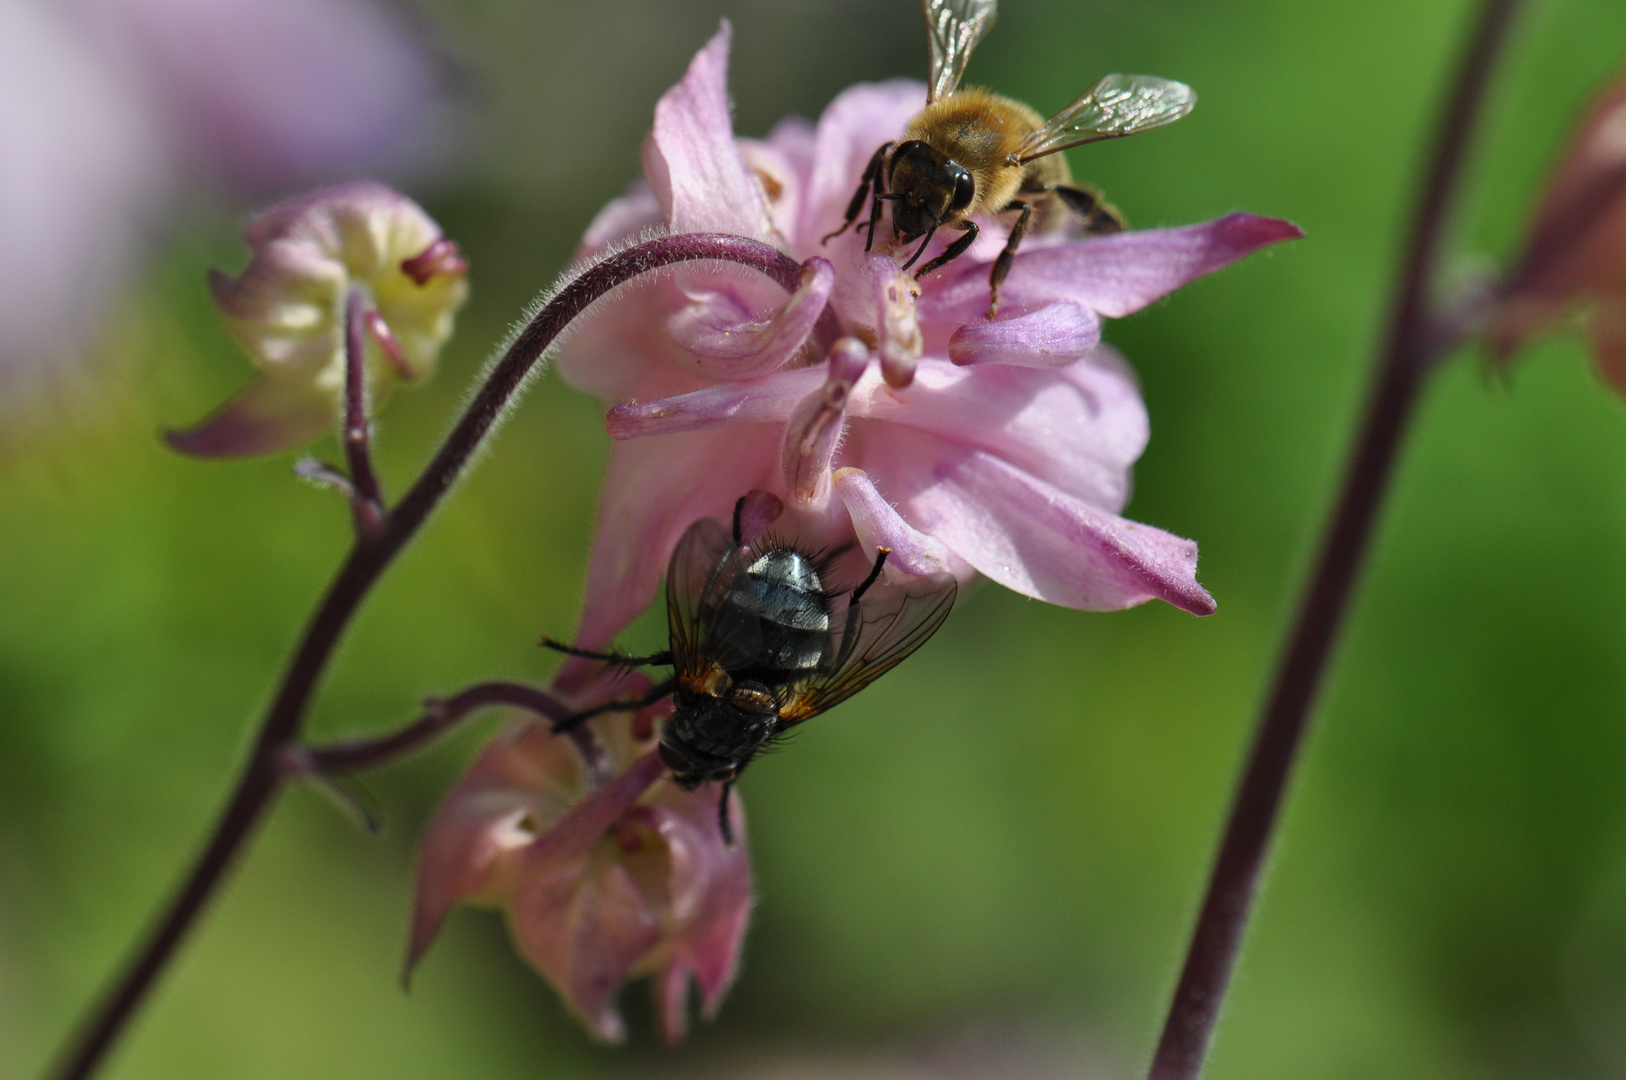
[(1412, 345), (439, 717), (367, 498), (280, 730)]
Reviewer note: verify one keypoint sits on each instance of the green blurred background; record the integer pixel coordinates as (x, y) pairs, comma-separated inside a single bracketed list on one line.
[(986, 865)]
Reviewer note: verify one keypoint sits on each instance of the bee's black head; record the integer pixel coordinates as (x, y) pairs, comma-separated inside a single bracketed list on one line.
[(932, 189)]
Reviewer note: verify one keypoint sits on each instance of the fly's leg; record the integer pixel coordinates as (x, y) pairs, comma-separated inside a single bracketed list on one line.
[(654, 695), (1098, 216), (653, 659), (1002, 265), (874, 572), (953, 251), (723, 825), (871, 175)]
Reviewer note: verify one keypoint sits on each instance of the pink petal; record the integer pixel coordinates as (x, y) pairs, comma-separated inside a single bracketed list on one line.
[(766, 399), (618, 349), (727, 343), (585, 928), (1079, 428), (1113, 275), (781, 165), (690, 159), (759, 510), (622, 220), (710, 885), (266, 417), (1034, 538), (815, 426), (879, 525), (576, 911), (654, 489), (525, 775), (1055, 335), (852, 127)]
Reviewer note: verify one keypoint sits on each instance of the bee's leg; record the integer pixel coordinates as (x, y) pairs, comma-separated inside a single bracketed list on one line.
[(1002, 265), (654, 695), (871, 175), (1098, 216), (663, 657), (953, 251)]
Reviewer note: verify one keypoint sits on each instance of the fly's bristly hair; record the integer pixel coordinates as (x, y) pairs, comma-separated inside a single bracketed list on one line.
[(822, 559)]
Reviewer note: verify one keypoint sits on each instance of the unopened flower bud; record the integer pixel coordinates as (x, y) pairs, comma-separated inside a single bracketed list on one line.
[(288, 310)]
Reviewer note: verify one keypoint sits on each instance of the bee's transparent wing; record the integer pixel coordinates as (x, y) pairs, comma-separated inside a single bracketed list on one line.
[(705, 629), (883, 628), (954, 27), (1118, 105)]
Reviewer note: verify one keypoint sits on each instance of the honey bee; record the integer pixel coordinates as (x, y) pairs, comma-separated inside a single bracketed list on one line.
[(760, 641), (976, 152)]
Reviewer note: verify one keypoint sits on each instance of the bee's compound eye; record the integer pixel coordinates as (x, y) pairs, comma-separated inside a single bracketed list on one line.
[(965, 188)]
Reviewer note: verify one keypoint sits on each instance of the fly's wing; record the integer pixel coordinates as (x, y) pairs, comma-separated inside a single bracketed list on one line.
[(883, 628), (705, 629), (954, 27), (1116, 106)]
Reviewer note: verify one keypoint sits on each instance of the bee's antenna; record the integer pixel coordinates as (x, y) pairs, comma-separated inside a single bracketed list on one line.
[(739, 508)]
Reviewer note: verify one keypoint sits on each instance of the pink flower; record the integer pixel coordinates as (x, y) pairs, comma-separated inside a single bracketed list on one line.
[(601, 884), (1575, 257), (288, 312), (1001, 448)]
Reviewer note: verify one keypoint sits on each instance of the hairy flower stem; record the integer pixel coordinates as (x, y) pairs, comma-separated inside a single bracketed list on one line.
[(277, 742), (1414, 342)]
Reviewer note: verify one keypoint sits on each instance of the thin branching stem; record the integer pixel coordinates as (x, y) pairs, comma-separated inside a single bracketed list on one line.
[(367, 497), (276, 744), (1414, 342), (440, 715)]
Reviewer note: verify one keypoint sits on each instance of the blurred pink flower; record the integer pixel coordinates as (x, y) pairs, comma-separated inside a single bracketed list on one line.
[(601, 884), (288, 312), (108, 107), (1575, 256), (1001, 448)]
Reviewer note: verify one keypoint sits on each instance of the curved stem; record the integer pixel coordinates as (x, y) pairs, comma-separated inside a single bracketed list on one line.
[(368, 559), (439, 717), (1412, 344)]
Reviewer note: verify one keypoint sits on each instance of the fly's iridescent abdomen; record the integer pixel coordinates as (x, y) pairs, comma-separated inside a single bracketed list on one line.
[(781, 588)]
